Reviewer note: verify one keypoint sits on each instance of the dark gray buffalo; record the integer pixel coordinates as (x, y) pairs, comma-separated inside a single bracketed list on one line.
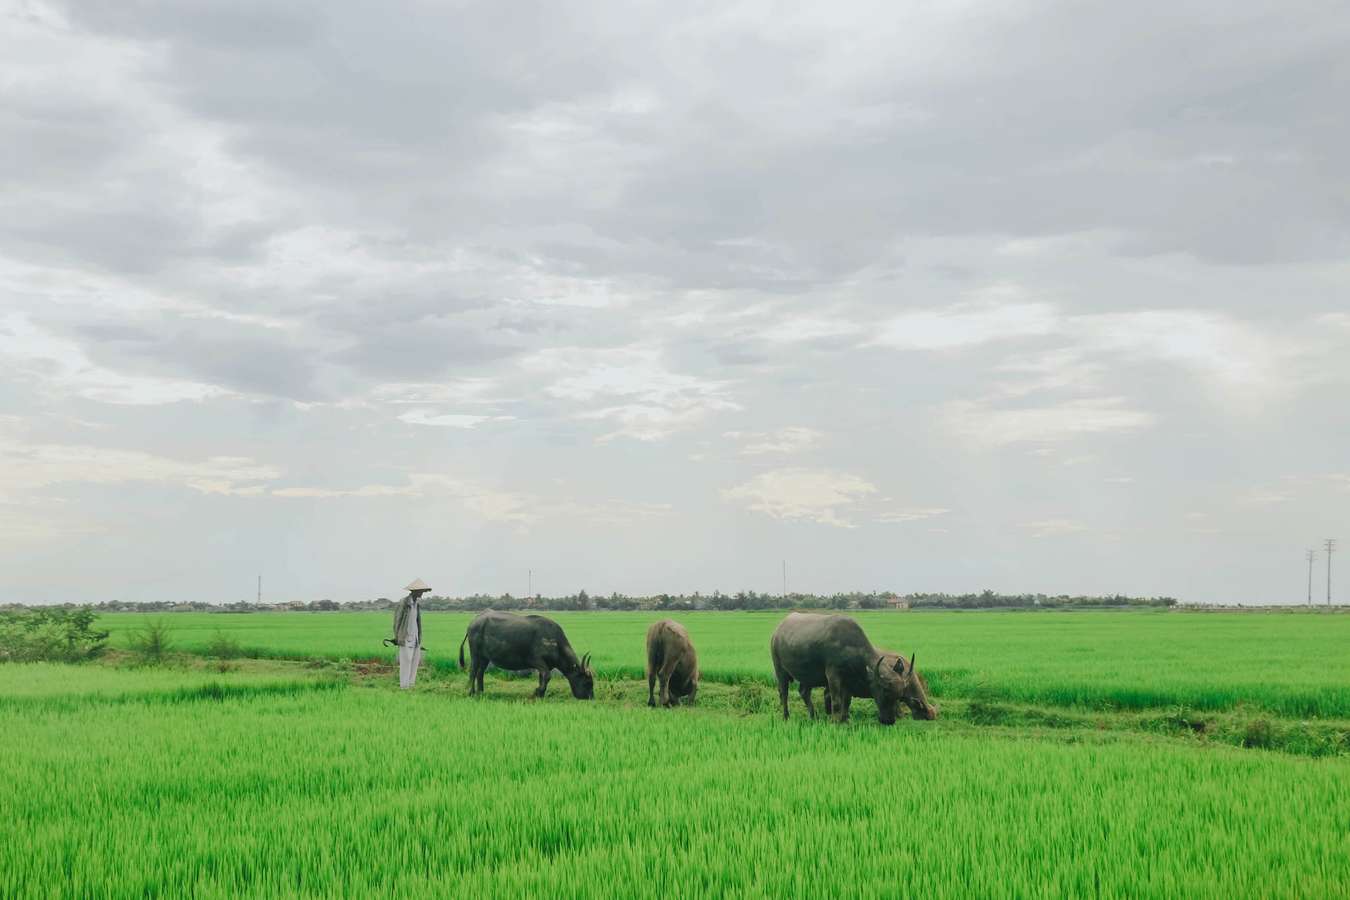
[(832, 652), (672, 661), (509, 641)]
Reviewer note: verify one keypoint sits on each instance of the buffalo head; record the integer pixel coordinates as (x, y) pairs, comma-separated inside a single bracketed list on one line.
[(894, 683), (582, 680)]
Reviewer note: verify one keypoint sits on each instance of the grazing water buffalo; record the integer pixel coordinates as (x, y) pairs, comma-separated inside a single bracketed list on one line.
[(514, 642), (832, 652), (671, 658)]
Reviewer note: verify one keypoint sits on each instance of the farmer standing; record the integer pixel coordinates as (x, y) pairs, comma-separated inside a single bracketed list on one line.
[(408, 633)]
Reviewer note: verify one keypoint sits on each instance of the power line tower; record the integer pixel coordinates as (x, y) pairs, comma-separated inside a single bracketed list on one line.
[(1312, 554), (1330, 547)]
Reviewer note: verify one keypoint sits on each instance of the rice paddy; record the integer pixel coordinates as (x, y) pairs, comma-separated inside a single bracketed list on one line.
[(1288, 664), (318, 780)]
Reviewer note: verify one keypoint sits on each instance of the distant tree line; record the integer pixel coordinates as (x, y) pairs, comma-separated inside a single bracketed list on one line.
[(741, 600)]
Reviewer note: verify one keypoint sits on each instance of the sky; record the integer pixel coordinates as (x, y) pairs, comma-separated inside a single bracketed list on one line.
[(924, 296)]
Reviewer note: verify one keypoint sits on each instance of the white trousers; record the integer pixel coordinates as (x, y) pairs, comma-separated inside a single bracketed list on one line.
[(409, 658)]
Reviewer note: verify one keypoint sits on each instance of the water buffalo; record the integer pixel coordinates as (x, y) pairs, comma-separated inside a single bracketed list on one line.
[(832, 652), (514, 642), (671, 658)]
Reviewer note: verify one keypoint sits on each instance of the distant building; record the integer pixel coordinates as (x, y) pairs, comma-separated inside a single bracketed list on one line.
[(894, 602)]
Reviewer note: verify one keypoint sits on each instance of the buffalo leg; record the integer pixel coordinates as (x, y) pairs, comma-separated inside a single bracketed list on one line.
[(782, 689), (806, 698), (667, 670), (829, 702), (544, 675), (651, 685), (842, 703), (838, 694)]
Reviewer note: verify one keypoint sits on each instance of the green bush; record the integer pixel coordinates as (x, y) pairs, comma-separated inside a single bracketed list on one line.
[(152, 643), (1259, 733), (51, 635), (222, 646)]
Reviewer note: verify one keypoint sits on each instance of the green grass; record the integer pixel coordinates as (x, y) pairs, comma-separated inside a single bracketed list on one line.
[(1105, 754), (38, 684), (1284, 664), (372, 792)]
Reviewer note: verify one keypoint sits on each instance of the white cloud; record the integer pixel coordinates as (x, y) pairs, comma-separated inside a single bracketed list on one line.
[(448, 420), (792, 439), (912, 514), (1062, 421), (520, 508), (1042, 528), (30, 467), (1264, 497), (1066, 369), (967, 325), (369, 490), (798, 329), (656, 402), (816, 495), (1231, 353), (460, 390)]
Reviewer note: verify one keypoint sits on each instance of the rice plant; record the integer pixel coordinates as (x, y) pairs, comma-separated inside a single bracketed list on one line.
[(365, 792)]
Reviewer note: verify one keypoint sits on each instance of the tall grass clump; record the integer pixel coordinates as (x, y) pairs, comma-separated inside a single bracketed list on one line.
[(223, 646), (152, 642)]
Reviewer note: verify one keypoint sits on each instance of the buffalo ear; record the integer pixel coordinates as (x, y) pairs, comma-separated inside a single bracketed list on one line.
[(900, 664)]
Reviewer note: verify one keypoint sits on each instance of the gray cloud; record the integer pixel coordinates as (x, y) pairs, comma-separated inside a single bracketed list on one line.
[(695, 282)]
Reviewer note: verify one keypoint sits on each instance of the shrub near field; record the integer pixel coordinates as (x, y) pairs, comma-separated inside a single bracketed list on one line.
[(377, 793), (1287, 664)]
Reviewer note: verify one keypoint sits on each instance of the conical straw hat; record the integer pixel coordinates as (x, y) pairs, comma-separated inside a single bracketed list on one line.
[(418, 585)]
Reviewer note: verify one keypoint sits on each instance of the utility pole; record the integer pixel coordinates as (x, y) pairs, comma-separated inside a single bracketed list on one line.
[(1312, 554), (1329, 546), (785, 579), (260, 590), (531, 593)]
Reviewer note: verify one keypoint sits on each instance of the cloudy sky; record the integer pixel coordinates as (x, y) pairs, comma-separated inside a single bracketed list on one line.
[(923, 296)]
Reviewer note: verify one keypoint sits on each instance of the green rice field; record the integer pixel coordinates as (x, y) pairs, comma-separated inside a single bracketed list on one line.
[(1291, 664), (1106, 774)]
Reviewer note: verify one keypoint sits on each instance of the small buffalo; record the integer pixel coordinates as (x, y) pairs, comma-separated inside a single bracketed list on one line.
[(832, 652), (671, 659), (517, 643)]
